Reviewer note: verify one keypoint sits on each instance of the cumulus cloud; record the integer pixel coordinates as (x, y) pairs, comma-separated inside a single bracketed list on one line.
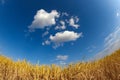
[(62, 57), (59, 38), (112, 43), (43, 19), (65, 36), (62, 27), (73, 22), (58, 21)]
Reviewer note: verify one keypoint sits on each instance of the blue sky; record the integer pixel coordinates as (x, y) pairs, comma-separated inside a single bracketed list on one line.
[(59, 32)]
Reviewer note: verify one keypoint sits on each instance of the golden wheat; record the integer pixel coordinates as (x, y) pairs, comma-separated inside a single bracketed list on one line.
[(107, 68)]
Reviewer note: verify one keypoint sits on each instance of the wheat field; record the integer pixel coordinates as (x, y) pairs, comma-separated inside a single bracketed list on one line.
[(107, 68)]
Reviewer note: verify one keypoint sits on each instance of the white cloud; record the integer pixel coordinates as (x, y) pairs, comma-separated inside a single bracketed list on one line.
[(45, 33), (43, 19), (91, 48), (112, 43), (77, 19), (65, 36), (56, 45), (65, 14), (62, 27), (62, 62), (61, 37), (72, 22), (62, 57), (113, 37), (47, 42), (118, 14)]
